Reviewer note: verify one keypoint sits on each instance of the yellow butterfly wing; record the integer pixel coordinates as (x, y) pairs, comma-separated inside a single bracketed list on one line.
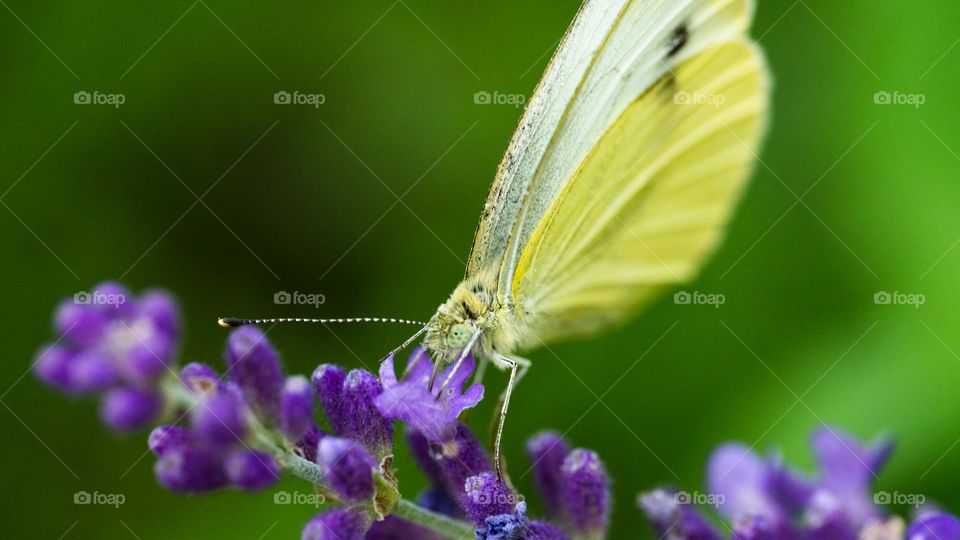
[(650, 200)]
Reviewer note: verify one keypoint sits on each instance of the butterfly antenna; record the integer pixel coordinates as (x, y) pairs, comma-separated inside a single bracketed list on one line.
[(233, 322)]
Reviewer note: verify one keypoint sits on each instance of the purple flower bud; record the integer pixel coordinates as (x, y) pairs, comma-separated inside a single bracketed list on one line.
[(160, 307), (426, 455), (337, 524), (306, 446), (670, 519), (394, 528), (52, 366), (935, 526), (463, 457), (200, 379), (328, 382), (348, 467), (364, 421), (296, 407), (141, 354), (79, 323), (586, 491), (541, 530), (90, 371), (251, 470), (255, 366), (165, 438), (485, 496), (507, 526), (112, 299), (219, 419), (428, 410), (190, 470), (546, 452), (128, 409)]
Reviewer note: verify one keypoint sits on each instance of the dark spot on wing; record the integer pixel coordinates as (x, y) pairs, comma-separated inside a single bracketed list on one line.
[(678, 38)]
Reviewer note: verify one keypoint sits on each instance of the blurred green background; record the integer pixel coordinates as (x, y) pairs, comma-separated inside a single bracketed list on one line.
[(305, 198)]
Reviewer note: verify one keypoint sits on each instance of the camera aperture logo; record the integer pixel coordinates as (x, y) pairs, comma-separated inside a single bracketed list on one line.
[(297, 298), (915, 500), (298, 498), (699, 499), (299, 98), (115, 500), (899, 98), (97, 298), (483, 97), (98, 98), (897, 298), (697, 298)]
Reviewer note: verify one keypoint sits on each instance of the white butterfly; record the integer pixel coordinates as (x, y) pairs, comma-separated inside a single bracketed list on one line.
[(617, 183)]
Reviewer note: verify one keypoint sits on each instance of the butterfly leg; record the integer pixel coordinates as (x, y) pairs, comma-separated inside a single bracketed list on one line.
[(518, 368)]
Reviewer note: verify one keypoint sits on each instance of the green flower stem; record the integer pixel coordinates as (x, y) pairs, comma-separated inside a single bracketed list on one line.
[(179, 396)]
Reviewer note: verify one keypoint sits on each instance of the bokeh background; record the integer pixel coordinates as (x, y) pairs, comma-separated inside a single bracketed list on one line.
[(853, 198)]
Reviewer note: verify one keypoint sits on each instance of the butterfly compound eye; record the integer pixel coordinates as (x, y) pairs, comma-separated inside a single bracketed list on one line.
[(458, 336)]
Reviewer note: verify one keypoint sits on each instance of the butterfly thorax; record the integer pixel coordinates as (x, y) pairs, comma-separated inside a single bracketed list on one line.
[(473, 305)]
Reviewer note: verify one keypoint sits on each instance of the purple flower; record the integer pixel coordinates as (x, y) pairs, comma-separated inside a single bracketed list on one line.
[(306, 446), (348, 467), (190, 470), (296, 407), (348, 402), (127, 409), (432, 412), (251, 469), (507, 526), (200, 379), (673, 520), (546, 452), (165, 438), (765, 500), (485, 496), (337, 524), (110, 342), (461, 457), (254, 365), (935, 526), (586, 492), (394, 528), (219, 419)]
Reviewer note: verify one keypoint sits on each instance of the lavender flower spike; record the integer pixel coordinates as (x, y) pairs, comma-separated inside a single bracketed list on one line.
[(348, 467), (586, 492), (365, 423), (296, 407), (328, 382), (935, 526), (430, 412), (126, 409), (546, 452), (337, 524), (254, 366)]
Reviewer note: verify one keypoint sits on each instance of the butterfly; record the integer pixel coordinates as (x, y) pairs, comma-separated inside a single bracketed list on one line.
[(618, 182)]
